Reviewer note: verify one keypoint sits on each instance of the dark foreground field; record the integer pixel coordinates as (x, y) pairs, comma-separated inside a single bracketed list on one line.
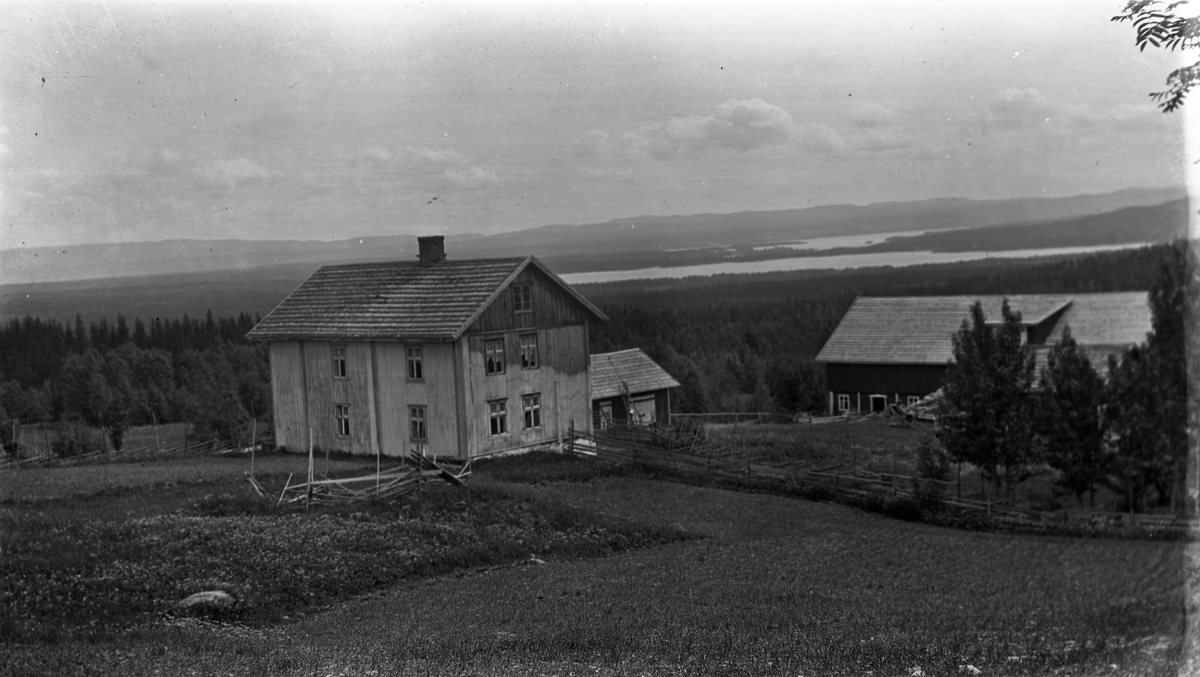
[(631, 576)]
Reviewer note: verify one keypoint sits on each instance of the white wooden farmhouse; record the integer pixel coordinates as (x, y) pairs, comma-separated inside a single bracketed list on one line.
[(453, 358)]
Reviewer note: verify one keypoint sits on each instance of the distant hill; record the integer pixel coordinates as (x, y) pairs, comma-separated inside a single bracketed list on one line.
[(621, 243)]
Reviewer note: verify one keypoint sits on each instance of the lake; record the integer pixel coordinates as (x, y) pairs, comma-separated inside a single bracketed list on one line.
[(828, 262)]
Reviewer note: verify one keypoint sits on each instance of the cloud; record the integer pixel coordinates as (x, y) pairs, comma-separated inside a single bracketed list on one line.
[(738, 125), (1020, 108), (471, 177), (223, 174), (1028, 109), (821, 138), (231, 173), (873, 115)]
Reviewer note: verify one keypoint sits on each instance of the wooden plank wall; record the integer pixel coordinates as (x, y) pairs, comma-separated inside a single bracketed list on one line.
[(552, 307), (561, 379), (436, 393), (287, 394)]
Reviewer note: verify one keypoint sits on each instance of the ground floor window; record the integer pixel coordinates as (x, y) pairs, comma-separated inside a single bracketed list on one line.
[(341, 414), (498, 416), (843, 403), (913, 399), (531, 405), (416, 424)]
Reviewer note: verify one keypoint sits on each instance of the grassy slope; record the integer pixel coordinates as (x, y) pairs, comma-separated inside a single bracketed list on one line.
[(779, 586)]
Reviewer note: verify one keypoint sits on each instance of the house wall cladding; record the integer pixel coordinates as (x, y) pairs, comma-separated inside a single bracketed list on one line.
[(552, 307), (456, 391), (561, 380)]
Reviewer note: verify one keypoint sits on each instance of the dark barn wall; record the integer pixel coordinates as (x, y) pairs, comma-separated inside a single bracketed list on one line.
[(896, 381), (885, 378)]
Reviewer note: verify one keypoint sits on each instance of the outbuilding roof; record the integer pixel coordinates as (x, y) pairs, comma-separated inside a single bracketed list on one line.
[(918, 330), (397, 300), (631, 367)]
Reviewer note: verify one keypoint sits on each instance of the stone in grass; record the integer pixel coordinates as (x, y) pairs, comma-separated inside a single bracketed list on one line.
[(208, 600)]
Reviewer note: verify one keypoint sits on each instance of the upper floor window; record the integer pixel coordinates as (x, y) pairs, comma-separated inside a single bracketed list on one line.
[(339, 361), (493, 355), (416, 371), (529, 351), (341, 414), (416, 424), (522, 298)]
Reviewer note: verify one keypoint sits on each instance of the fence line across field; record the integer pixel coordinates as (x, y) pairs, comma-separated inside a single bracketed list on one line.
[(653, 446)]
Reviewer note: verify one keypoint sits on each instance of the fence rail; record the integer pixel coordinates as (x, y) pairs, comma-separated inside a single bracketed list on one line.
[(702, 455), (143, 452)]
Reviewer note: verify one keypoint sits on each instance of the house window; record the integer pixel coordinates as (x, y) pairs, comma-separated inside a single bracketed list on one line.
[(341, 414), (416, 424), (522, 298), (531, 405), (493, 356), (913, 399), (339, 361), (529, 351), (498, 416), (416, 371), (843, 403)]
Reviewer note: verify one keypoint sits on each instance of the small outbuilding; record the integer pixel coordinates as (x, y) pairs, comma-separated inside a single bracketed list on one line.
[(452, 358), (629, 387), (896, 350)]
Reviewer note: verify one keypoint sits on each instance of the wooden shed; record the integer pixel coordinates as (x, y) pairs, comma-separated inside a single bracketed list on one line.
[(451, 358), (629, 387), (896, 350)]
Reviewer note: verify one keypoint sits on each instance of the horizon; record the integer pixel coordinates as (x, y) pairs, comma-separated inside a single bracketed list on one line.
[(135, 123), (342, 238)]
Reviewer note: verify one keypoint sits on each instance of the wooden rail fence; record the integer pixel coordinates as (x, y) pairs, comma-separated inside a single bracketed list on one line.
[(657, 447)]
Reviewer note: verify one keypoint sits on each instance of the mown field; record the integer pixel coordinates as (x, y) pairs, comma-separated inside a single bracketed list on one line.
[(555, 565)]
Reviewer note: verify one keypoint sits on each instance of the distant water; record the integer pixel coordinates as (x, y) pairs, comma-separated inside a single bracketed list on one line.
[(829, 263), (836, 241)]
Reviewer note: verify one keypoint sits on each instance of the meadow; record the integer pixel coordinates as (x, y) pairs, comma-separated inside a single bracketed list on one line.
[(556, 565)]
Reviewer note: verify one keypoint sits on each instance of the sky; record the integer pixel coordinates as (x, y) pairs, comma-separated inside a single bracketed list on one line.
[(131, 121)]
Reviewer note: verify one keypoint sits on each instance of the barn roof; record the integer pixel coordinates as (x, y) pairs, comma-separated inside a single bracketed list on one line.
[(918, 330), (633, 367), (398, 300)]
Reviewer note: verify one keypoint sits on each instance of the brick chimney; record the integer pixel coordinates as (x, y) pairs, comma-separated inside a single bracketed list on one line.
[(431, 249)]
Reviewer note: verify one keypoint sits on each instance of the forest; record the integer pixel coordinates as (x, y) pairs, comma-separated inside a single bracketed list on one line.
[(735, 343)]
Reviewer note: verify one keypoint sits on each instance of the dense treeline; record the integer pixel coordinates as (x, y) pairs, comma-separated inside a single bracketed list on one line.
[(736, 343), (1124, 428), (113, 376), (747, 343)]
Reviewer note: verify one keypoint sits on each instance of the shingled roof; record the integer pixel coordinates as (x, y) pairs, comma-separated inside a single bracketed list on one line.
[(397, 300), (633, 367), (918, 330)]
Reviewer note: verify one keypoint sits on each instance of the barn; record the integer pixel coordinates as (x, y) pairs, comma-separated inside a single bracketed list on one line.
[(896, 350), (451, 358), (629, 387)]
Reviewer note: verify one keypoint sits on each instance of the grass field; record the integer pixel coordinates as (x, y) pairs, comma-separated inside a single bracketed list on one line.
[(763, 585)]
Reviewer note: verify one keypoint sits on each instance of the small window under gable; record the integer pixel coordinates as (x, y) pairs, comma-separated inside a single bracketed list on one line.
[(339, 361), (416, 370), (522, 298)]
